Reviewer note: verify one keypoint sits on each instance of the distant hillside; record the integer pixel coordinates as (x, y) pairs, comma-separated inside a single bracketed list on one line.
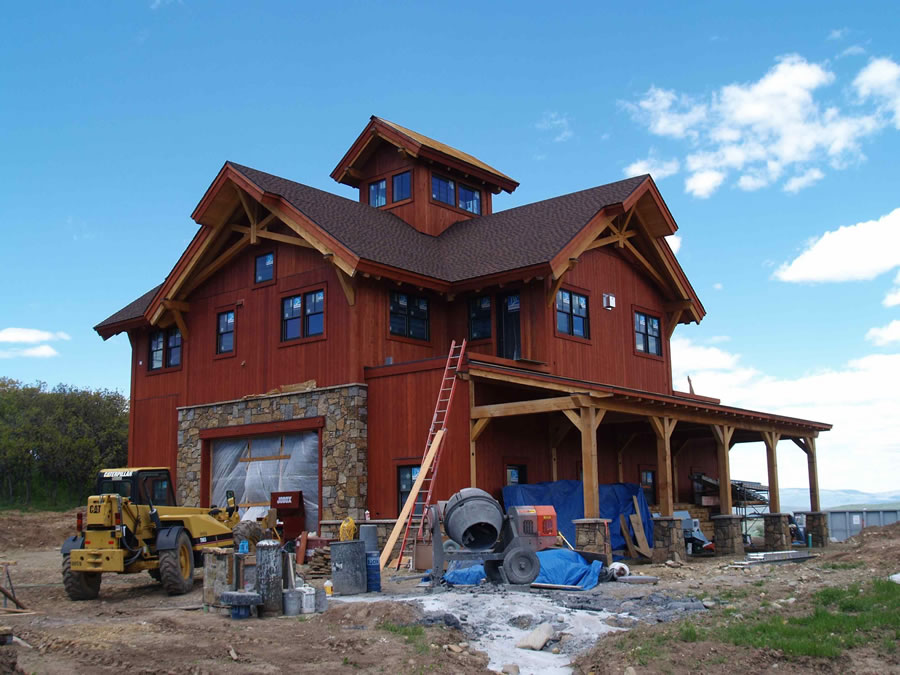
[(797, 499), (887, 506)]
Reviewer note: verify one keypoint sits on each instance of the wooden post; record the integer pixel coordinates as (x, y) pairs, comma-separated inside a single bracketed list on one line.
[(621, 464), (663, 427), (557, 434), (723, 436), (589, 462), (476, 427), (771, 439), (814, 504)]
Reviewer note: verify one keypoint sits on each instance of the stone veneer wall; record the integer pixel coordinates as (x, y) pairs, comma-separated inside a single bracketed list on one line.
[(344, 461)]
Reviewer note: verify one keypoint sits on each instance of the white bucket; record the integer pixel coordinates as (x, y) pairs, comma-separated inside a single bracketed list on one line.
[(307, 599)]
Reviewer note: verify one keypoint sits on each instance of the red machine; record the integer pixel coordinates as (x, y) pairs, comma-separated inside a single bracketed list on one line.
[(291, 513)]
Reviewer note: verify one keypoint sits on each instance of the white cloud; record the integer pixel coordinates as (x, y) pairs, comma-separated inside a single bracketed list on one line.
[(852, 50), (880, 80), (718, 339), (804, 180), (858, 398), (850, 253), (703, 183), (838, 33), (40, 352), (674, 242), (885, 334), (717, 286), (763, 128), (658, 168), (892, 299), (30, 335), (558, 124)]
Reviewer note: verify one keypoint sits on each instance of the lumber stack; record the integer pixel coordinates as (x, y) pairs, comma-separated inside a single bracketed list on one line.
[(319, 566)]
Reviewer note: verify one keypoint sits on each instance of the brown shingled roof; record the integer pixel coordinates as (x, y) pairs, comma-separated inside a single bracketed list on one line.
[(130, 312)]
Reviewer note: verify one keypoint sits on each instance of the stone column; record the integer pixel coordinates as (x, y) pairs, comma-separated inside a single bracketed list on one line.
[(778, 533), (817, 526), (728, 538), (592, 535), (668, 539)]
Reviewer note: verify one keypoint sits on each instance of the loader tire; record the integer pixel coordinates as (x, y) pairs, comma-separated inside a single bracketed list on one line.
[(176, 566), (80, 585), (249, 531)]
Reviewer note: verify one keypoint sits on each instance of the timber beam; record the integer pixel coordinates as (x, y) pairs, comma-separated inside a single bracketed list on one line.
[(542, 405), (558, 280), (771, 439), (663, 428), (723, 435)]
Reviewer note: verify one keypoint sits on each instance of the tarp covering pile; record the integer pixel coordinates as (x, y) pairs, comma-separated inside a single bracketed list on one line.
[(567, 497), (558, 566)]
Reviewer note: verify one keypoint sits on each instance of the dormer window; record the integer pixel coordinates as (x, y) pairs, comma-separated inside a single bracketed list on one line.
[(378, 193), (470, 199), (401, 187), (443, 190)]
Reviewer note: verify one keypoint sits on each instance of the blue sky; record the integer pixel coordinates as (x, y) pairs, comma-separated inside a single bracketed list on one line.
[(773, 133)]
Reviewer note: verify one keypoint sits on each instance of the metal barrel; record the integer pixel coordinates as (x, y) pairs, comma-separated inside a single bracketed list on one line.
[(293, 601), (268, 574), (369, 534), (373, 572), (472, 518), (348, 566)]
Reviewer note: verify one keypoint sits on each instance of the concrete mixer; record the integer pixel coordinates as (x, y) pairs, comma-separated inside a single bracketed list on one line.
[(506, 543)]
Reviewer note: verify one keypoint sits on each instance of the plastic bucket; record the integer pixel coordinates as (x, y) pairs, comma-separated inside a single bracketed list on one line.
[(308, 594), (373, 572), (348, 567)]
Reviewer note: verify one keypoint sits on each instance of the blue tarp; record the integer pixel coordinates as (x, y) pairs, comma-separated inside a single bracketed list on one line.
[(558, 566), (567, 497)]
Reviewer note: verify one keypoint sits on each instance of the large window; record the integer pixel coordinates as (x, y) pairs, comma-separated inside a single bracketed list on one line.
[(480, 317), (572, 314), (303, 315), (264, 268), (466, 198), (409, 316), (469, 199), (646, 334), (225, 332), (406, 477), (401, 187), (378, 193), (165, 349)]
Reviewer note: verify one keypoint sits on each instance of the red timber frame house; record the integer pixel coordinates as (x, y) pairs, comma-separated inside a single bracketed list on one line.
[(305, 334)]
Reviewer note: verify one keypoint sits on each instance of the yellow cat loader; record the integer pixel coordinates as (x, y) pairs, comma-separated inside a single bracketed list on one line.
[(133, 525)]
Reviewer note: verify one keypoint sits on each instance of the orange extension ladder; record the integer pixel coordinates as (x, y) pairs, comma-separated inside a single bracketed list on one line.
[(422, 497)]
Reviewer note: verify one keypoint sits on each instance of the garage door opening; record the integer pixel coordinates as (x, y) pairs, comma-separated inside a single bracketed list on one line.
[(258, 466)]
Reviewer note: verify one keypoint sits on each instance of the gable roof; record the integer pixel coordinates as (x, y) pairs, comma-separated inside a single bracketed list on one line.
[(133, 311)]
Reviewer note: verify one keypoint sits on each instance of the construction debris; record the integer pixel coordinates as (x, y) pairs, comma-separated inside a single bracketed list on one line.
[(319, 566)]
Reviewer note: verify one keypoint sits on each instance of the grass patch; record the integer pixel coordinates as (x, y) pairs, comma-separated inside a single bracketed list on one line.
[(841, 565), (413, 635), (689, 633), (843, 618), (644, 648), (734, 593)]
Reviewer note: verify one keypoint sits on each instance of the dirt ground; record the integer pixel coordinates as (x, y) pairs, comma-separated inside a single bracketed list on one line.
[(135, 627)]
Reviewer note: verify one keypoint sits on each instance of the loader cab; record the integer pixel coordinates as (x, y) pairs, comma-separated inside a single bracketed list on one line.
[(141, 486)]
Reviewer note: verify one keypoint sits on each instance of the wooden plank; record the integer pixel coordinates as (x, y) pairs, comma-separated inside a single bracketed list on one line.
[(540, 405), (640, 539), (270, 458), (632, 551), (589, 463), (411, 499)]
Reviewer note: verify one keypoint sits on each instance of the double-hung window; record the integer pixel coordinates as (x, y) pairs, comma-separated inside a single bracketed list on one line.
[(572, 314), (264, 268), (646, 334), (401, 188), (225, 332), (165, 349), (409, 316), (303, 315), (378, 193), (480, 317)]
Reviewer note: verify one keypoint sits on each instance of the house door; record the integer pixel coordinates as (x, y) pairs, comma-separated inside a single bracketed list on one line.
[(509, 331)]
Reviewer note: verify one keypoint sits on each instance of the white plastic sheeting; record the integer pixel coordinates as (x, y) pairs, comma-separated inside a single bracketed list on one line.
[(255, 481)]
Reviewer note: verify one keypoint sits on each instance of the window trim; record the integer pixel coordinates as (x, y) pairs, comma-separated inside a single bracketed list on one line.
[(267, 282), (406, 338), (567, 336), (164, 368), (302, 291), (482, 340), (455, 205), (636, 309), (234, 341)]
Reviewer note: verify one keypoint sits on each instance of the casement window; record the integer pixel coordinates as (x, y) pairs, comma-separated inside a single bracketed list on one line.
[(406, 477), (648, 485), (409, 316), (378, 193), (165, 349), (466, 198), (480, 317), (646, 334), (572, 317), (401, 188), (225, 332), (303, 315), (264, 268)]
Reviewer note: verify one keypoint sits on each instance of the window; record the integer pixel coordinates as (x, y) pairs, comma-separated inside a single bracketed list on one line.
[(265, 268), (572, 314), (469, 199), (303, 315), (406, 476), (646, 334), (409, 316), (378, 193), (225, 332), (648, 485), (480, 318), (516, 474), (165, 349), (401, 187), (443, 190)]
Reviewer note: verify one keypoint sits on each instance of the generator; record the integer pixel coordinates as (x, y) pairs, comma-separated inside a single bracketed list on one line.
[(507, 543)]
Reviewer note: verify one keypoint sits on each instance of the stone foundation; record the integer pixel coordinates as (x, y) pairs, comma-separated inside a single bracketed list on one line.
[(817, 526), (778, 533), (668, 539), (728, 537), (592, 534), (344, 457)]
